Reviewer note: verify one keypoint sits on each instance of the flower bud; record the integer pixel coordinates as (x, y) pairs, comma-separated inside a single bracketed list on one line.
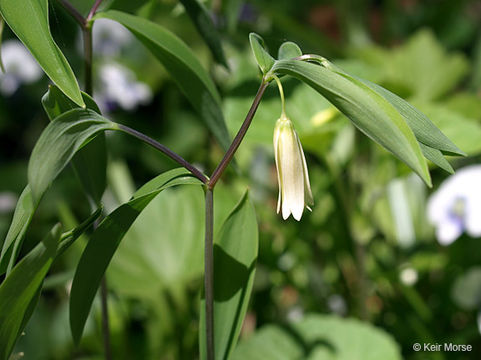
[(294, 188)]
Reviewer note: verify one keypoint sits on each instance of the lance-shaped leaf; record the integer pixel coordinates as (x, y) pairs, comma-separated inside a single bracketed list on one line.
[(90, 163), (18, 227), (20, 288), (59, 142), (184, 67), (369, 111), (424, 130), (105, 241), (204, 24), (235, 255), (29, 21), (431, 140), (263, 58)]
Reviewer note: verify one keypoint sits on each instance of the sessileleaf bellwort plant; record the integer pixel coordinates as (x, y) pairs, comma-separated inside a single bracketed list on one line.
[(292, 175), (76, 134)]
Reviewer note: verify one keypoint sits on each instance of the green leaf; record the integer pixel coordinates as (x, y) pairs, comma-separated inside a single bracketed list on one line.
[(424, 130), (369, 111), (183, 66), (203, 22), (90, 162), (436, 157), (69, 237), (235, 255), (18, 227), (59, 142), (105, 240), (263, 58), (29, 21), (148, 261), (319, 337), (21, 287), (55, 103), (289, 50), (461, 129)]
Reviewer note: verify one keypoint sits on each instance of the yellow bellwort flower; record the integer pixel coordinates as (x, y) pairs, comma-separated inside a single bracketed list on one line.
[(294, 187)]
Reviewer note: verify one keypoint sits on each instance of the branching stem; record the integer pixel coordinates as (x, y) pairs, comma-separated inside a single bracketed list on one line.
[(209, 273), (93, 10), (238, 138), (73, 12), (155, 144)]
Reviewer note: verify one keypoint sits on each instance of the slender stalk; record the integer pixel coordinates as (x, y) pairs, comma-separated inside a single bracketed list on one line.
[(73, 12), (155, 144), (87, 37), (88, 60), (238, 138), (93, 10), (209, 272), (105, 319), (281, 93)]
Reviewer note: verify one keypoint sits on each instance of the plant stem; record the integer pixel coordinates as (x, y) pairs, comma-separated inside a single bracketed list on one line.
[(87, 37), (105, 319), (73, 12), (238, 138), (209, 272), (86, 26), (93, 10), (155, 144)]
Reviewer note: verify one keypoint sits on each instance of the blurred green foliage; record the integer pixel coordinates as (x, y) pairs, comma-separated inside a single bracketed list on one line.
[(353, 256)]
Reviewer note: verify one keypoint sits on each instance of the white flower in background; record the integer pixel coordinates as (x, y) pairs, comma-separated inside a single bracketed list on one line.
[(408, 276), (456, 206), (110, 38), (20, 67), (118, 86), (294, 188)]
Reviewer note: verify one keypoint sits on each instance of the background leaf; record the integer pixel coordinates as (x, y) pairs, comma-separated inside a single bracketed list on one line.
[(157, 257), (318, 337), (204, 24), (105, 240), (29, 21), (184, 67), (235, 255)]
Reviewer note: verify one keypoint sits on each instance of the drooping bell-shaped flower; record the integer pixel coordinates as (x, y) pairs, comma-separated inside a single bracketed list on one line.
[(294, 187)]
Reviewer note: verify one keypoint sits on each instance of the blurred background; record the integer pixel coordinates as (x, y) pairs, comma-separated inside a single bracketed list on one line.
[(381, 263)]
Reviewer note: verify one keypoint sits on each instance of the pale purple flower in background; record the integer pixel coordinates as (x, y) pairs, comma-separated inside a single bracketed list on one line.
[(20, 67), (7, 202), (118, 86), (456, 206)]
